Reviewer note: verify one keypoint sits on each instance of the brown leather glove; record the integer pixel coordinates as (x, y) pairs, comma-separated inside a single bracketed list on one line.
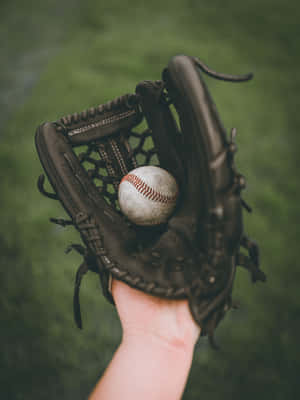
[(194, 255)]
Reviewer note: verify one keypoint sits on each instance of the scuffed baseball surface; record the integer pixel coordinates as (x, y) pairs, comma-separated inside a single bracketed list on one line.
[(147, 195)]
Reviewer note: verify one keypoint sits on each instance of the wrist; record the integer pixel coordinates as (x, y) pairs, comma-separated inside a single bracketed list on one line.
[(182, 343), (170, 329)]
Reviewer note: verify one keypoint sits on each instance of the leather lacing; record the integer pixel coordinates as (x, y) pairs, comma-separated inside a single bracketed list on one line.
[(128, 100), (88, 228)]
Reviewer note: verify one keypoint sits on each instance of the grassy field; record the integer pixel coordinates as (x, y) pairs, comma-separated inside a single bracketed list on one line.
[(61, 57)]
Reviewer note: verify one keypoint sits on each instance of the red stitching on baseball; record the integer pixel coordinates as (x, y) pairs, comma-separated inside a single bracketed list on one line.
[(148, 191)]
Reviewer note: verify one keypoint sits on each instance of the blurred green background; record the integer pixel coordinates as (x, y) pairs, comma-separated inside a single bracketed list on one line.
[(61, 56)]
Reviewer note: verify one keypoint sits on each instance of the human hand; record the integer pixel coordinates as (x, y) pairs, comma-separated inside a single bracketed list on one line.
[(155, 356), (167, 320)]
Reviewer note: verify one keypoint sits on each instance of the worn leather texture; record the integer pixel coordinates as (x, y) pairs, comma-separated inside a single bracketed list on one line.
[(195, 254)]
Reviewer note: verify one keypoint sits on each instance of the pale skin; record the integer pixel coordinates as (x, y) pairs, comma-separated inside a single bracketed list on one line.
[(155, 355)]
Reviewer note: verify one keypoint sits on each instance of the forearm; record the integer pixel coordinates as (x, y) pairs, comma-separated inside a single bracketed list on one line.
[(145, 367)]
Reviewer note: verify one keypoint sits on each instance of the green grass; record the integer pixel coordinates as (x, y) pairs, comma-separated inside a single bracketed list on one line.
[(97, 52)]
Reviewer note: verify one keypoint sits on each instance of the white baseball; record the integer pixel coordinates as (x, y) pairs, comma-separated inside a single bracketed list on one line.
[(147, 195)]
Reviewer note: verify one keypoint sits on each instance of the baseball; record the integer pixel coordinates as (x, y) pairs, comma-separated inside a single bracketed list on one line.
[(147, 195)]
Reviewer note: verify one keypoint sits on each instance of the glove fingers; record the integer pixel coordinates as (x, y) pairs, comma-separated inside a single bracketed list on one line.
[(166, 136), (204, 138)]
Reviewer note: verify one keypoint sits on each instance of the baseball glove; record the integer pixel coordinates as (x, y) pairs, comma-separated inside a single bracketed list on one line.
[(194, 255)]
